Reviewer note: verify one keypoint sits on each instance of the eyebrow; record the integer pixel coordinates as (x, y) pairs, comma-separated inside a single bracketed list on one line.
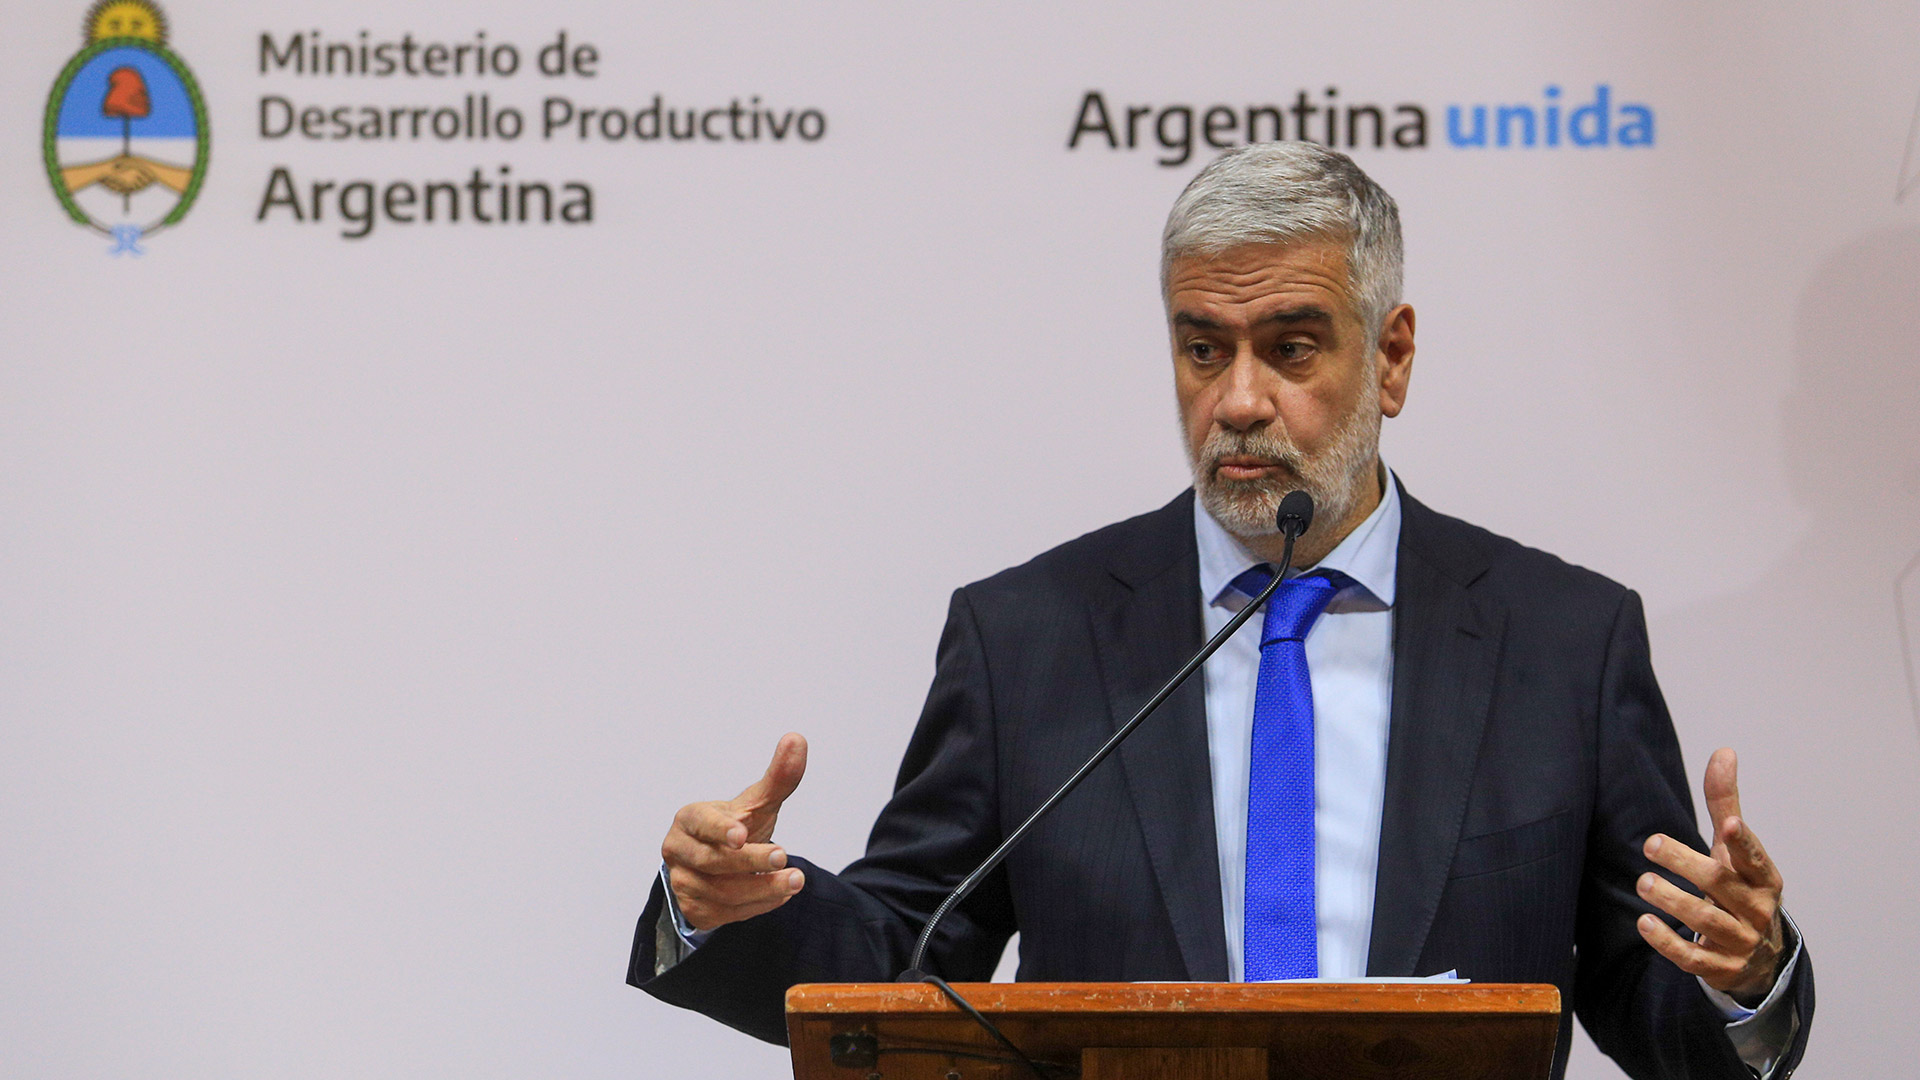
[(1285, 316)]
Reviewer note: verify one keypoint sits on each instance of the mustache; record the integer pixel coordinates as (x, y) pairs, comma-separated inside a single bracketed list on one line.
[(1263, 445)]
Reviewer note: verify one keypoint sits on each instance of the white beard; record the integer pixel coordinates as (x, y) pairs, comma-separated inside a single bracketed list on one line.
[(1336, 477)]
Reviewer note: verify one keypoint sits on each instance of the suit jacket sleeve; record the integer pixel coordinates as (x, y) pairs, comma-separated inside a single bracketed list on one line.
[(1644, 1012), (860, 925)]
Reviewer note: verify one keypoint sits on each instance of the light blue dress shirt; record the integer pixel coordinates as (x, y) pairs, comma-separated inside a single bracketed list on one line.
[(1350, 658)]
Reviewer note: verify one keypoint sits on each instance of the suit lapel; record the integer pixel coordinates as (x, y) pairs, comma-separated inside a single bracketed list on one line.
[(1446, 649), (1145, 628)]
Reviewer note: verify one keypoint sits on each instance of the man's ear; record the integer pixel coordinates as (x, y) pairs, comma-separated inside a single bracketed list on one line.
[(1395, 356)]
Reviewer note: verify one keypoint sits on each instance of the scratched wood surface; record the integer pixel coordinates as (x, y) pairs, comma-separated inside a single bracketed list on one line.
[(1173, 1063), (1480, 1031)]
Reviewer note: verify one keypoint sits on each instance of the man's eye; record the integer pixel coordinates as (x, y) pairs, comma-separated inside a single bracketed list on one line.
[(1295, 350), (1202, 351)]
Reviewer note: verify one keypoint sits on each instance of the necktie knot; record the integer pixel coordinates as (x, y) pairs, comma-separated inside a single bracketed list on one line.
[(1295, 605)]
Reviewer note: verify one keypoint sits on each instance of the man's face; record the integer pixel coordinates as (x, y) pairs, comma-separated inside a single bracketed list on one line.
[(1280, 385)]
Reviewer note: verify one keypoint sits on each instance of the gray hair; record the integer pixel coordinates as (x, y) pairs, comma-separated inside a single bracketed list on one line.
[(1287, 193)]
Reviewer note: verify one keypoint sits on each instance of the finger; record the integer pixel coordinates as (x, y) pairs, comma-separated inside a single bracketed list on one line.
[(1703, 917), (702, 918), (708, 901), (1722, 786), (683, 850), (711, 823), (783, 775), (1749, 855), (1719, 881), (1707, 874), (1686, 955), (735, 890)]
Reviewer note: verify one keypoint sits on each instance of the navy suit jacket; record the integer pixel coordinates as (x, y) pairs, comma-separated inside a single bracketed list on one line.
[(1529, 756)]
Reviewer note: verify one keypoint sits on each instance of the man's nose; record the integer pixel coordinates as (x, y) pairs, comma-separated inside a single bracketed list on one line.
[(1244, 402)]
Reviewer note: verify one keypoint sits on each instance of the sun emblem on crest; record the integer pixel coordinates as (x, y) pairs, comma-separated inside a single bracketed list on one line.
[(125, 138), (126, 18)]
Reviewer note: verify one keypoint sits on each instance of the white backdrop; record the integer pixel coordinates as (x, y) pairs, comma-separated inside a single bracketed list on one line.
[(368, 605)]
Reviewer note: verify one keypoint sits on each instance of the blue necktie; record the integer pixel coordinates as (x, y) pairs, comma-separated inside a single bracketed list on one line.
[(1280, 932)]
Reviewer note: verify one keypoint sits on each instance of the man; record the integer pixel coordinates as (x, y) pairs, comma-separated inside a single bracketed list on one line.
[(1439, 750)]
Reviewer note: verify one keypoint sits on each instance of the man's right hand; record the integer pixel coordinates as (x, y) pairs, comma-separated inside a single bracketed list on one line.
[(720, 857)]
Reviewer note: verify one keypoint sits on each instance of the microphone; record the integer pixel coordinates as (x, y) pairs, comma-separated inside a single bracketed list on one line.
[(1296, 513)]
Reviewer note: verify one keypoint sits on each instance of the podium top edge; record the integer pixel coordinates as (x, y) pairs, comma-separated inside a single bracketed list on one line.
[(1181, 997)]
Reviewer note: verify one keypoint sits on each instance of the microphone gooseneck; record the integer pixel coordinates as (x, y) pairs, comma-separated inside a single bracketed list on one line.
[(1295, 514)]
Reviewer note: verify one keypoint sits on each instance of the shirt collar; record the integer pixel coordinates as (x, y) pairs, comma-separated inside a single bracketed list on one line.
[(1370, 555)]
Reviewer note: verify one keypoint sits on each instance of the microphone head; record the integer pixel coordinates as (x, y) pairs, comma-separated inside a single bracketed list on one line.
[(1296, 513)]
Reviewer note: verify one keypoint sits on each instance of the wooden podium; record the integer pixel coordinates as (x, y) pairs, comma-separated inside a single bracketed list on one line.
[(1177, 1031)]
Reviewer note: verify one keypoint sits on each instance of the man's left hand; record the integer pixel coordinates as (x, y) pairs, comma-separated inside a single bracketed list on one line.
[(1737, 917)]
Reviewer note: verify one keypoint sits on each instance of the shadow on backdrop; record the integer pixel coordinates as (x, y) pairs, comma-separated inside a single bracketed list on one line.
[(1810, 672)]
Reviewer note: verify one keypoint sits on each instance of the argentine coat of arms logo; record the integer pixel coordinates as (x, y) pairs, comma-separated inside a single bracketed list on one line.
[(125, 138)]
